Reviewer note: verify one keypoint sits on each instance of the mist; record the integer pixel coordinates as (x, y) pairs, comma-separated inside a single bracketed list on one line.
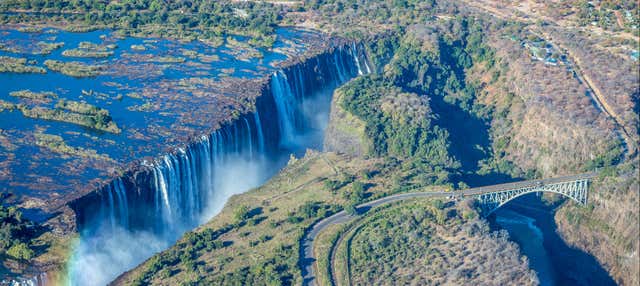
[(99, 259), (190, 187), (103, 254)]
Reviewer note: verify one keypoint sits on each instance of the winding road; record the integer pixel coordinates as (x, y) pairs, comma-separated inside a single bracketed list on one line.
[(307, 262)]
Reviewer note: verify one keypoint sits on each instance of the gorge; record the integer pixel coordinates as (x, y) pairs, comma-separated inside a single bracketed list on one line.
[(197, 142), (150, 209)]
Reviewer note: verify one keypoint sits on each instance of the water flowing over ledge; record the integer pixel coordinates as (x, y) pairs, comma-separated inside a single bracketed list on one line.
[(146, 210)]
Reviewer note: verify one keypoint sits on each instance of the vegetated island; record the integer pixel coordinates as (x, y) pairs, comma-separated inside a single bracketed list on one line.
[(69, 111), (75, 69), (90, 50), (18, 65)]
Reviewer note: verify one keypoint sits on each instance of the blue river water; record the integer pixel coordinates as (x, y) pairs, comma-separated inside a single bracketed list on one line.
[(159, 92), (531, 224)]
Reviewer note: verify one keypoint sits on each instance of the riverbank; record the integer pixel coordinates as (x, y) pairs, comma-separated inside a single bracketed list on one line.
[(530, 223)]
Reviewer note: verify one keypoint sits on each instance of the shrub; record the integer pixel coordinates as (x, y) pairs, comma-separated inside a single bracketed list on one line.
[(20, 251), (309, 209), (241, 213), (357, 192), (351, 209)]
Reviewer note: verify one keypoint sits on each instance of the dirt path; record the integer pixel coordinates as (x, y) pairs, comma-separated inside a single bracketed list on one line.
[(507, 13)]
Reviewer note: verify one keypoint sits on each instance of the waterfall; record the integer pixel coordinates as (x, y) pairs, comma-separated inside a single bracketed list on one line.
[(256, 118), (294, 91), (339, 67), (37, 280), (248, 143), (111, 208), (285, 102), (123, 204), (174, 193)]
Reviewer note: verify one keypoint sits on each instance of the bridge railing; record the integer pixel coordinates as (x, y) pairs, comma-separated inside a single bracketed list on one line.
[(527, 184)]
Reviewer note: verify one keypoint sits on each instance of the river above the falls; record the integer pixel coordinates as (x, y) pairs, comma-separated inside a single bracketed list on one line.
[(202, 122), (157, 93), (531, 224)]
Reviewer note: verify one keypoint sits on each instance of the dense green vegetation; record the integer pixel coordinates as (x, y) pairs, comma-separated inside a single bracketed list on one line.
[(202, 19), (15, 233), (417, 108), (381, 49), (430, 243), (399, 124), (80, 114), (433, 62)]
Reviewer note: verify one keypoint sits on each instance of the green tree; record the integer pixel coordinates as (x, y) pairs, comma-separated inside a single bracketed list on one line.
[(357, 192), (351, 209), (20, 251), (241, 213)]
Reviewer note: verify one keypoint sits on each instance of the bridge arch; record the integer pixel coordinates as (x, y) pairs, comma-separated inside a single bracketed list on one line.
[(576, 190)]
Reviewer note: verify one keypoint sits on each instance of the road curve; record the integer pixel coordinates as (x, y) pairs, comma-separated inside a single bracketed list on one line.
[(307, 261)]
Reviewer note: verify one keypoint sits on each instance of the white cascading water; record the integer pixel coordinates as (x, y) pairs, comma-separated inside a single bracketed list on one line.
[(38, 280), (256, 117), (286, 104), (191, 185)]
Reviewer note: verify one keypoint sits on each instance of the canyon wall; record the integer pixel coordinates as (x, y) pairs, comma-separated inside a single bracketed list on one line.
[(178, 191)]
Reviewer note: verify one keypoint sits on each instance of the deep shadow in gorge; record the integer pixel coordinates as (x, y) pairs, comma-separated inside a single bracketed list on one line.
[(470, 143), (530, 222), (440, 74)]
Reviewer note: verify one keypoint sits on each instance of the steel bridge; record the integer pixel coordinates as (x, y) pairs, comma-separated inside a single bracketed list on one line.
[(491, 198)]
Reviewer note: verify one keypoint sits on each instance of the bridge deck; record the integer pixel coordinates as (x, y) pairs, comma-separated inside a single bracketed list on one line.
[(526, 184)]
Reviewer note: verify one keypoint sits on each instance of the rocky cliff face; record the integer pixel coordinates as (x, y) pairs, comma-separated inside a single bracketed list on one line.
[(546, 121), (345, 133), (543, 120), (179, 190), (608, 227)]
